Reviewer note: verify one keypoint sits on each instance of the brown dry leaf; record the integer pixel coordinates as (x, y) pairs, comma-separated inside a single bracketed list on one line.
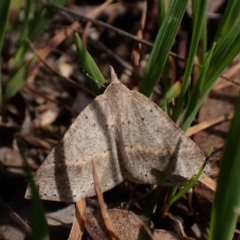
[(178, 222), (122, 221), (143, 224), (208, 182), (126, 227), (58, 39), (12, 225), (8, 231), (94, 14), (64, 65), (166, 235), (61, 217), (49, 115), (205, 191), (12, 160), (219, 103), (42, 60), (209, 123), (79, 221), (31, 139), (104, 214), (202, 199), (52, 43), (231, 72)]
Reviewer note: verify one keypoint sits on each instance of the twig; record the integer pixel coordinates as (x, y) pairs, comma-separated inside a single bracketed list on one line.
[(123, 33), (15, 217), (103, 211), (143, 224), (56, 72)]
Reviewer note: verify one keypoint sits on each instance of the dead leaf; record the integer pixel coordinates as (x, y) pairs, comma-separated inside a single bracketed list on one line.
[(122, 223)]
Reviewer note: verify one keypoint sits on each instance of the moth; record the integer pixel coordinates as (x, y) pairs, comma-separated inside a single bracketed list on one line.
[(129, 137)]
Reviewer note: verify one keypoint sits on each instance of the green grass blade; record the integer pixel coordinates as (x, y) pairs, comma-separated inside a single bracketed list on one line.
[(162, 9), (89, 65), (38, 220), (195, 102), (24, 26), (22, 45), (229, 17), (171, 196), (227, 198), (42, 17), (202, 46), (167, 89), (171, 94), (175, 197), (162, 45), (224, 53), (4, 9), (16, 82), (197, 28)]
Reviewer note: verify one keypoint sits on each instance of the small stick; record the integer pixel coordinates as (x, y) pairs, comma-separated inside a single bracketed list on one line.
[(15, 217)]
